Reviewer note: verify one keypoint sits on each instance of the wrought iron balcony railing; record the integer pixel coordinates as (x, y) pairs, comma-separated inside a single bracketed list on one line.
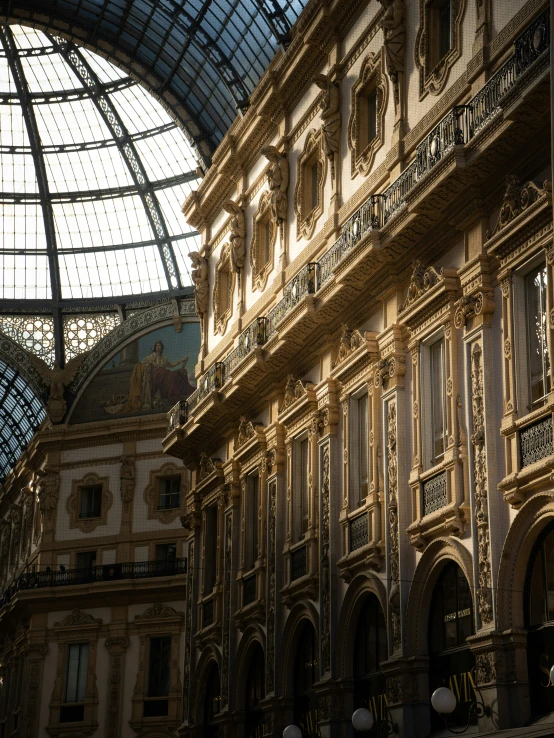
[(212, 380), (177, 416), (298, 563), (249, 340), (535, 442), (92, 574), (457, 128), (359, 532), (434, 493)]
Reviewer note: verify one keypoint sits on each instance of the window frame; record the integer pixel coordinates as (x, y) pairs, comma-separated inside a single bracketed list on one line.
[(428, 397), (65, 699), (96, 511), (167, 478)]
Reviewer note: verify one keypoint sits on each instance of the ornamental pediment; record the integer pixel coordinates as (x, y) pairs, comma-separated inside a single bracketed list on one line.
[(299, 401), (354, 348), (250, 434), (429, 292)]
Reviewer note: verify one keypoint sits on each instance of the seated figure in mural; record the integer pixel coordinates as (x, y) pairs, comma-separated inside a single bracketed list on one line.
[(152, 380)]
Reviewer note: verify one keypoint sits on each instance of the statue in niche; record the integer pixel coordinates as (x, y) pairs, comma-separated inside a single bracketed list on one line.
[(330, 118), (278, 181), (237, 235), (199, 276), (394, 31)]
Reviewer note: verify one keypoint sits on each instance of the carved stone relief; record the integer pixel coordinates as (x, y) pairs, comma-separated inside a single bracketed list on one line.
[(272, 585), (330, 118), (325, 561), (226, 644), (517, 198), (394, 551), (484, 592)]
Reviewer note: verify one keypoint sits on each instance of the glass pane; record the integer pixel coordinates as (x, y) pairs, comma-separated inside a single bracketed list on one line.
[(304, 479), (437, 397), (83, 669), (371, 116), (537, 348), (72, 673), (362, 444)]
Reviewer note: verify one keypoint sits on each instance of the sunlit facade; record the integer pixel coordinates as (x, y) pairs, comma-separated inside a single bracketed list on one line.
[(276, 407)]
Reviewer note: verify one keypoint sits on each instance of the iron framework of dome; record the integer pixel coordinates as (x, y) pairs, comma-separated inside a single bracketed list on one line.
[(202, 57)]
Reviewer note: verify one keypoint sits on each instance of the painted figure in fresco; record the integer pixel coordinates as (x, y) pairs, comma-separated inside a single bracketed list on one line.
[(152, 382)]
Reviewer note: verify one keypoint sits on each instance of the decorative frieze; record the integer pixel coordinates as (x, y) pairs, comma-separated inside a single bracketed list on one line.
[(484, 593), (325, 560), (394, 550)]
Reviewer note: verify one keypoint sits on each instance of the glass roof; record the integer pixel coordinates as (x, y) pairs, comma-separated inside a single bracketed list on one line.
[(203, 57), (93, 174), (21, 413)]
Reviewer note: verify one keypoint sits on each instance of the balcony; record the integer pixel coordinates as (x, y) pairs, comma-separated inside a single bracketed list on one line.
[(376, 217), (103, 573)]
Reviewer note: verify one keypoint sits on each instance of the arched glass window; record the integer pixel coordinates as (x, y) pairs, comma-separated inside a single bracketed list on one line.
[(451, 619), (306, 674), (255, 692), (451, 661), (212, 702), (370, 648), (539, 615)]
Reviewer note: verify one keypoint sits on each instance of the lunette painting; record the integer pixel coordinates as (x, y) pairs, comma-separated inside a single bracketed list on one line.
[(149, 375)]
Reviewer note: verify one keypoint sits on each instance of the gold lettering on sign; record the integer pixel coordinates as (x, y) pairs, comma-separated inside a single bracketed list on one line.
[(462, 685)]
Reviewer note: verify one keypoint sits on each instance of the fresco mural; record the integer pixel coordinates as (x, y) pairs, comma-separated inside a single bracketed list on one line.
[(149, 375)]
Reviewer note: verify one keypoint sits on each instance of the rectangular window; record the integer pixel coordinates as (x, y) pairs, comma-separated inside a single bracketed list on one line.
[(444, 23), (77, 670), (170, 493), (363, 441), (314, 187), (537, 348), (371, 116), (304, 484), (166, 552), (85, 559), (91, 501), (159, 660), (438, 399), (224, 290), (210, 548), (253, 506)]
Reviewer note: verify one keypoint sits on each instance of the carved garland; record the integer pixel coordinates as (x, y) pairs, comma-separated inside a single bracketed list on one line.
[(394, 554), (272, 585), (484, 593), (372, 76), (325, 563), (433, 76), (260, 268), (306, 216)]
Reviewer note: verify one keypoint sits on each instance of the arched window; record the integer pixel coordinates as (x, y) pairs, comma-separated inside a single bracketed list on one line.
[(255, 692), (370, 649), (306, 674), (451, 661), (212, 702), (539, 615)]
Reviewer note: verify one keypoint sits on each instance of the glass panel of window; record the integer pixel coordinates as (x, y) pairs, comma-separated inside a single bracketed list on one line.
[(253, 506), (210, 547), (304, 484), (170, 493), (537, 348), (363, 441), (212, 701), (267, 241), (158, 666), (85, 559), (77, 668), (451, 619), (255, 682), (444, 13), (314, 178), (371, 116), (91, 501), (306, 673), (166, 552), (438, 399)]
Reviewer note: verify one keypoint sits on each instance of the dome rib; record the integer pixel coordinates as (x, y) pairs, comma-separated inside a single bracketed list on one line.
[(14, 62), (82, 69)]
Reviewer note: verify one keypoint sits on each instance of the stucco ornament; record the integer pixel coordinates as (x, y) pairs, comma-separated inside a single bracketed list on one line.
[(56, 379), (394, 31), (127, 479), (199, 276), (278, 181), (237, 235), (330, 118)]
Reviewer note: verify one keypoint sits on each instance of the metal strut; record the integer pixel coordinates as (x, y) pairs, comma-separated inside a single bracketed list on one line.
[(8, 43), (126, 147)]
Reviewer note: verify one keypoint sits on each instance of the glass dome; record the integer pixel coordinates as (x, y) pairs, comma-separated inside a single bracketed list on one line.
[(94, 173)]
